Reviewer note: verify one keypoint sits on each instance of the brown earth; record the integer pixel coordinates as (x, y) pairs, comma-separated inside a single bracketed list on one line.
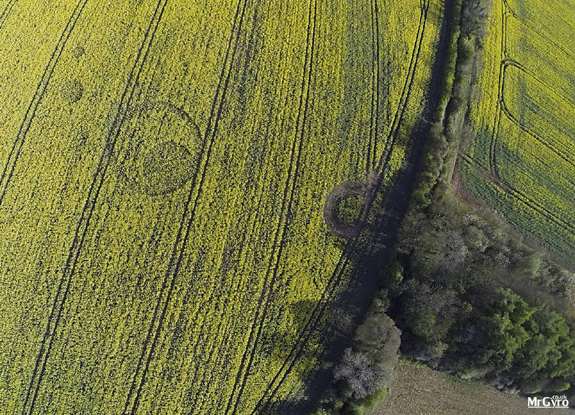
[(422, 391)]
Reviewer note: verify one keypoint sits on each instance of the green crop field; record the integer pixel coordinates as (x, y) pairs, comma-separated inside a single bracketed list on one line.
[(164, 166), (523, 159)]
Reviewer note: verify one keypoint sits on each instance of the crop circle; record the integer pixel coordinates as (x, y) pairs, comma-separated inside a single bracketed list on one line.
[(78, 52), (343, 208), (158, 150), (72, 90), (166, 167)]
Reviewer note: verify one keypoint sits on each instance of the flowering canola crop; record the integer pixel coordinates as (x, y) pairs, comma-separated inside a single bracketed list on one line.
[(164, 164), (522, 161)]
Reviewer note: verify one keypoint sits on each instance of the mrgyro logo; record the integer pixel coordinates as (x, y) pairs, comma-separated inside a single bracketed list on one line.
[(553, 402)]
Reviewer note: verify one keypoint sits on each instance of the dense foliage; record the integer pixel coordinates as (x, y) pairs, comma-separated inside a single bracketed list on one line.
[(365, 370), (468, 295), (474, 301)]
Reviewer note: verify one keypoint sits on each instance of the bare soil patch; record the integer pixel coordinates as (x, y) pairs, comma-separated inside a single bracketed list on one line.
[(418, 390)]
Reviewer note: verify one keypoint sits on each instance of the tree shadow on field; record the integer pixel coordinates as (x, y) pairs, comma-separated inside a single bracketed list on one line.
[(367, 254), (370, 250), (298, 314)]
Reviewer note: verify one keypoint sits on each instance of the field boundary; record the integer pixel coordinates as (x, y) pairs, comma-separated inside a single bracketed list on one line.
[(269, 394)]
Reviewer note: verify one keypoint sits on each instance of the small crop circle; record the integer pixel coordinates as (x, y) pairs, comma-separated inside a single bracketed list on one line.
[(159, 149), (72, 91), (78, 52), (167, 166), (343, 208)]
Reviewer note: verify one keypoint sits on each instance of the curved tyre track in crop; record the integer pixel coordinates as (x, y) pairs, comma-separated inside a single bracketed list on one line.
[(375, 87), (289, 189), (16, 148), (506, 62), (336, 278), (89, 206), (6, 12), (519, 195), (171, 273), (505, 109), (139, 378)]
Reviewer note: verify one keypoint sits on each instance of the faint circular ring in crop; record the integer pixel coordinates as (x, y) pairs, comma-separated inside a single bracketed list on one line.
[(158, 148)]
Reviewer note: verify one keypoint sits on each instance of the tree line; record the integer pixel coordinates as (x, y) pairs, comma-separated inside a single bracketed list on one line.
[(464, 294)]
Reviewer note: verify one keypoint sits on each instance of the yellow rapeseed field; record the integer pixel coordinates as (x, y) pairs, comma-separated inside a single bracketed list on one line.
[(523, 159), (164, 165)]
